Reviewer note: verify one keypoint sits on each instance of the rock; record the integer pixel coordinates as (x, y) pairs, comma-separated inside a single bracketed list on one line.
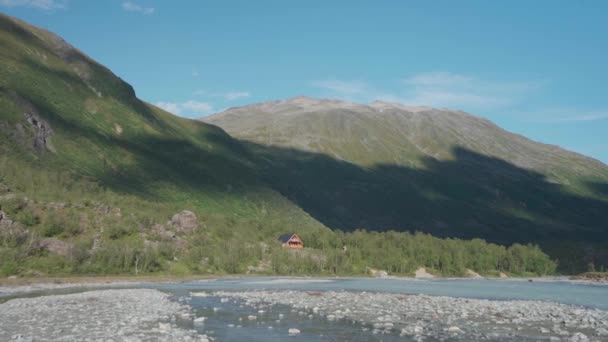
[(184, 222), (578, 337), (160, 230), (293, 331), (200, 320), (454, 329), (5, 220), (252, 317), (503, 275), (42, 132), (55, 246), (164, 326)]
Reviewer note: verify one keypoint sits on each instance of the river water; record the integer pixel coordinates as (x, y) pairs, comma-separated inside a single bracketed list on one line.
[(227, 320), (231, 318)]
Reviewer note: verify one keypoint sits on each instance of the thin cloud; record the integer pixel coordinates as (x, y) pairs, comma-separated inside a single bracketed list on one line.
[(437, 89), (228, 96), (130, 6), (570, 115), (444, 89), (47, 5), (236, 95), (190, 108), (352, 87)]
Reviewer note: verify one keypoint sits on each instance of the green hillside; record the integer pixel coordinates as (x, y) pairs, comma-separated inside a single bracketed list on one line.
[(75, 136), (386, 166)]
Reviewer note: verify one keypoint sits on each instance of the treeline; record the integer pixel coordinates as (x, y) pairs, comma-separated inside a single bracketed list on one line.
[(401, 253)]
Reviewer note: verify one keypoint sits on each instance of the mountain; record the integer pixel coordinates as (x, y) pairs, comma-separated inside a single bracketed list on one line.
[(85, 163), (388, 166)]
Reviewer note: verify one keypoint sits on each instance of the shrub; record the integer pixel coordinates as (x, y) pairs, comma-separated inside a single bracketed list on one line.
[(27, 217)]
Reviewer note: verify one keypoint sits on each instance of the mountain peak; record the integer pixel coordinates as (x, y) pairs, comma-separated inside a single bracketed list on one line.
[(382, 105)]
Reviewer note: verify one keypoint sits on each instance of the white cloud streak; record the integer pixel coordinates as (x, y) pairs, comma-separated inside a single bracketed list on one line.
[(131, 6), (568, 115), (191, 109), (444, 89), (47, 5), (352, 87), (438, 89), (228, 96)]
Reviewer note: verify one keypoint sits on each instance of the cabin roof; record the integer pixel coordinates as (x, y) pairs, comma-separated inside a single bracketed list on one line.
[(286, 237)]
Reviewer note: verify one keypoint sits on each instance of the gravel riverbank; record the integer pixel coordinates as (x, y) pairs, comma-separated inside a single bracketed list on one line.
[(441, 318), (104, 315)]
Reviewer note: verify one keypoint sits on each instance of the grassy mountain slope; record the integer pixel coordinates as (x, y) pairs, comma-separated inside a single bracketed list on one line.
[(385, 165), (73, 132)]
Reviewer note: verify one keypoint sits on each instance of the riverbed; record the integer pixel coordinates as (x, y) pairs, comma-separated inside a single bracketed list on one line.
[(311, 309)]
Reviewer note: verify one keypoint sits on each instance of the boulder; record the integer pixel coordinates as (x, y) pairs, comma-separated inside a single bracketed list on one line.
[(184, 222), (5, 220), (55, 246)]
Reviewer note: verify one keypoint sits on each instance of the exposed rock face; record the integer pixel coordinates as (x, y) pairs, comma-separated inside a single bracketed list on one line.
[(184, 222), (4, 219), (55, 246), (11, 230), (42, 132)]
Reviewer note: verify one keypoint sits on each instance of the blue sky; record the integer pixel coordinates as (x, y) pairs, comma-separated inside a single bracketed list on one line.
[(538, 68)]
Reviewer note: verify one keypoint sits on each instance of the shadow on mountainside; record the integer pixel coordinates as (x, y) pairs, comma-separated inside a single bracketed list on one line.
[(471, 196), (599, 188)]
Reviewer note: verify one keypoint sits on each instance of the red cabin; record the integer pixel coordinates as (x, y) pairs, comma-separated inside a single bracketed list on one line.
[(291, 240)]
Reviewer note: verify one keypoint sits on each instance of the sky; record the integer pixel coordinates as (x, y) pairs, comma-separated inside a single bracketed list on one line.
[(537, 68)]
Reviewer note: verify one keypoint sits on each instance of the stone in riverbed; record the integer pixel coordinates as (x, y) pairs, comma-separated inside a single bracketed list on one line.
[(293, 331), (578, 337), (454, 329)]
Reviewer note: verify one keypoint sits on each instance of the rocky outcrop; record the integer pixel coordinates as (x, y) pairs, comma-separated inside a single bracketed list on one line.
[(5, 220), (55, 246), (11, 230), (42, 132), (184, 222)]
